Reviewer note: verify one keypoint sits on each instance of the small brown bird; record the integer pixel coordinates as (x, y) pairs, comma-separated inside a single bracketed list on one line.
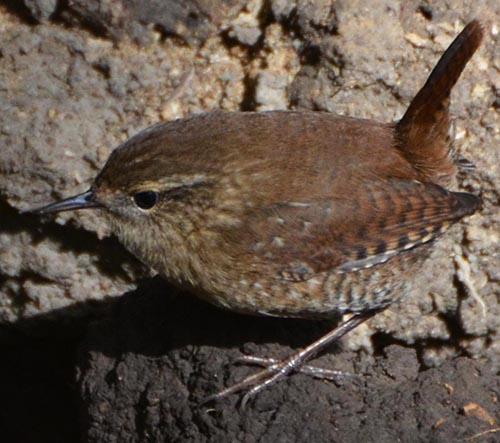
[(290, 214)]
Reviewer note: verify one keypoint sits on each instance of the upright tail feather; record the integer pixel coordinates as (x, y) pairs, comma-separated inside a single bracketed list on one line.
[(423, 131)]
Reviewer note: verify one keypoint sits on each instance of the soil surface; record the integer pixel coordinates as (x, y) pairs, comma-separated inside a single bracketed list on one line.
[(95, 348)]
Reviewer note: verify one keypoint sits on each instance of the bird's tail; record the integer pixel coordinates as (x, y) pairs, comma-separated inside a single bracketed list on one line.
[(423, 132)]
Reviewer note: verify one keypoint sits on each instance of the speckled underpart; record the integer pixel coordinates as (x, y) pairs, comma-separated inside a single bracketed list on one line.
[(327, 294)]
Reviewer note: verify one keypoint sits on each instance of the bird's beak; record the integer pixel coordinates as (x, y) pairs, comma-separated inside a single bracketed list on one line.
[(80, 201)]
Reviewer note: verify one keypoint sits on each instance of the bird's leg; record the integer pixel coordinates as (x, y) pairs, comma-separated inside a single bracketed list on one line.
[(276, 370)]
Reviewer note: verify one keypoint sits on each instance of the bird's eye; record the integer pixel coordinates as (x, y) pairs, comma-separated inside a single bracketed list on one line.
[(146, 199)]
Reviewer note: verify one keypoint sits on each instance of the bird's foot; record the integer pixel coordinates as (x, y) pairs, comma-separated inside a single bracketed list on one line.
[(274, 370), (313, 371)]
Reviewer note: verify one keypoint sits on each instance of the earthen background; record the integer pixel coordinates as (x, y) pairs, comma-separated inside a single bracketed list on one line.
[(95, 348)]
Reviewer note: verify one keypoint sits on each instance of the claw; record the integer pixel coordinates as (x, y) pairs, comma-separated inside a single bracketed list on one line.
[(314, 371), (275, 370)]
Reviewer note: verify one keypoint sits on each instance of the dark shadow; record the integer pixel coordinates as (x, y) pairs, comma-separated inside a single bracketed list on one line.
[(18, 8), (40, 355), (38, 397), (157, 318)]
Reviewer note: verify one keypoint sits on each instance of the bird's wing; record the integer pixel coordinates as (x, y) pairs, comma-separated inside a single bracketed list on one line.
[(349, 233)]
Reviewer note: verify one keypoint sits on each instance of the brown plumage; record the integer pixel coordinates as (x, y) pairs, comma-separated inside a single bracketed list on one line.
[(303, 214), (423, 130)]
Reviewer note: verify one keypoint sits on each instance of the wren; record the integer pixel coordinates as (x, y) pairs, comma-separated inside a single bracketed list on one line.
[(290, 213)]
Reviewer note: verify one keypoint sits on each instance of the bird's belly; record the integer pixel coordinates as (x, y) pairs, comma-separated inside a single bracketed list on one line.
[(325, 294), (319, 297)]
